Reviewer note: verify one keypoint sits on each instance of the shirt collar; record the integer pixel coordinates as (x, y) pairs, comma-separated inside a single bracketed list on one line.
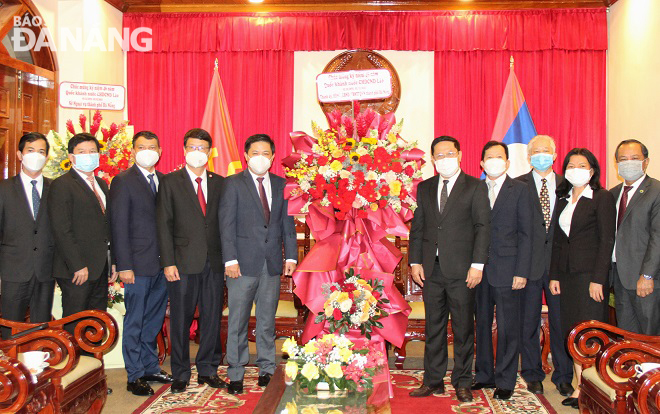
[(635, 185), (451, 179), (145, 172), (499, 180), (27, 180), (194, 176), (550, 177), (587, 192), (255, 176), (82, 174)]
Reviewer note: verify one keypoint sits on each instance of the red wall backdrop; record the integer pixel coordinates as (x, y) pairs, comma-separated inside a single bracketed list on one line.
[(560, 62)]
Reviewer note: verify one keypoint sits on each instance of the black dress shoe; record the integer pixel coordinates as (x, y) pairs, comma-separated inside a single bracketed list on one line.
[(425, 391), (264, 379), (464, 395), (139, 387), (502, 394), (178, 386), (535, 387), (571, 402), (565, 389), (213, 381), (481, 385), (162, 377), (235, 387)]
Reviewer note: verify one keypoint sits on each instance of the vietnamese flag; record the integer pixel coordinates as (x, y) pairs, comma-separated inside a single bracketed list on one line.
[(224, 158)]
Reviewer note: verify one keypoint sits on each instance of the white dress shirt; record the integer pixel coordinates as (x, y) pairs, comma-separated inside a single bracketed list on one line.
[(27, 185), (450, 186), (147, 174), (499, 181), (193, 178), (96, 185), (551, 184), (566, 216), (631, 193)]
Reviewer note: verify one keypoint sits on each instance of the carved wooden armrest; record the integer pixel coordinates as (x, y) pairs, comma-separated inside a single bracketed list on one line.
[(16, 386), (621, 357), (647, 391), (59, 344), (95, 332), (588, 339)]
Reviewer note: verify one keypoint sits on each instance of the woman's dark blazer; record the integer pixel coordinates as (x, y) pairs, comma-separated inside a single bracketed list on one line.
[(588, 250)]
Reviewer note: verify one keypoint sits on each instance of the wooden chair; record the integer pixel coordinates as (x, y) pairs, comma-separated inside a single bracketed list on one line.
[(608, 355), (645, 397), (80, 384)]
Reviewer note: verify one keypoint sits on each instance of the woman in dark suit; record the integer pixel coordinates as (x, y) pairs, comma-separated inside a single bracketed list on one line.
[(582, 246)]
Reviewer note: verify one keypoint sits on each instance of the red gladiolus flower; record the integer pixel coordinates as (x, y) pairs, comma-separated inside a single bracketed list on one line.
[(323, 160)]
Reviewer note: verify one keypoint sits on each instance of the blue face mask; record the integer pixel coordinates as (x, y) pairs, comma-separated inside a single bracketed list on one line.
[(87, 162), (542, 161)]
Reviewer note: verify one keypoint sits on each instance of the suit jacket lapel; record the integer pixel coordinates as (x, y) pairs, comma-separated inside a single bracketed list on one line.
[(455, 194), (44, 194), (22, 195), (433, 196), (145, 184), (276, 196), (635, 197), (86, 188), (188, 187), (252, 189), (501, 196), (529, 178)]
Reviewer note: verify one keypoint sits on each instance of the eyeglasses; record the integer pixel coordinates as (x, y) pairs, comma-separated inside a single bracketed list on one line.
[(197, 148), (450, 154)]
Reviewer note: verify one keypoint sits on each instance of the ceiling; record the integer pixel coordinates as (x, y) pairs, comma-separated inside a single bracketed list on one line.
[(345, 5)]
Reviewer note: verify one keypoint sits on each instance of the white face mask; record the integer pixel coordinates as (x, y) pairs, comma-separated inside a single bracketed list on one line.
[(146, 158), (259, 164), (494, 167), (196, 159), (447, 166), (34, 161), (631, 170), (578, 176)]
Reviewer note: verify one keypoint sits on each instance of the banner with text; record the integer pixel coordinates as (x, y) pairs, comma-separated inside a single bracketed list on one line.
[(354, 85), (77, 95)]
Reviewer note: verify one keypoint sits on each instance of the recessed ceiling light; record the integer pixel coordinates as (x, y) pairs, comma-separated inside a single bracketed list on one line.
[(256, 1)]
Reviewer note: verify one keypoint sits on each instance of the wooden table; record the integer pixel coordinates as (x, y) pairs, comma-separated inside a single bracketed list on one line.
[(277, 393)]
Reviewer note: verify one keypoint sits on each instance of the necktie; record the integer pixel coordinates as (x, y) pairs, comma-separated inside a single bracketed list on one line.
[(98, 197), (491, 193), (152, 183), (444, 195), (545, 203), (264, 200), (623, 204), (36, 200), (200, 195)]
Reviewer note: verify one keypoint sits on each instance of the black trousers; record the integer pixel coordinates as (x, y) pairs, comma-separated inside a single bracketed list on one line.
[(206, 290), (18, 296), (634, 313), (91, 295), (530, 350), (443, 296), (501, 371)]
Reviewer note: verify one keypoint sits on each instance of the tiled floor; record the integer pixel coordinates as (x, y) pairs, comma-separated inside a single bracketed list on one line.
[(123, 402)]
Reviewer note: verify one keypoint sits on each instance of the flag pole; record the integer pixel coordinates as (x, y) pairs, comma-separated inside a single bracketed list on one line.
[(216, 63), (510, 62)]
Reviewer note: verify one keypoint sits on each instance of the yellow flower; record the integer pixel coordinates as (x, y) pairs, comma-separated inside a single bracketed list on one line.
[(310, 410), (328, 309), (291, 370), (309, 370), (365, 312), (330, 338), (335, 411), (337, 153), (336, 165), (342, 297), (65, 164), (334, 370), (395, 188), (391, 138), (102, 146), (345, 354), (370, 141), (291, 408), (374, 206), (350, 143), (310, 348), (356, 294), (288, 344)]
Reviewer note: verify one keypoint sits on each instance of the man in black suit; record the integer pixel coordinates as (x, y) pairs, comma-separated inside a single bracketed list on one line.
[(135, 248), (190, 253), (505, 274), (542, 182), (26, 243), (255, 225), (81, 229), (636, 259), (449, 240)]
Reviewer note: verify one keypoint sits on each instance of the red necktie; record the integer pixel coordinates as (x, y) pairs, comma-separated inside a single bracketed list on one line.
[(98, 197), (623, 204), (200, 195), (264, 201)]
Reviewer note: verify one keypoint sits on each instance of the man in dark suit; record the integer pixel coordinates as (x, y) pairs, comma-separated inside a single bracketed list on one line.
[(26, 243), (189, 240), (449, 240), (78, 219), (505, 274), (542, 182), (135, 247), (255, 225), (636, 260)]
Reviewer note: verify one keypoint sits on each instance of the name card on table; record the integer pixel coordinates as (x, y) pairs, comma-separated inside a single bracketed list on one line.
[(354, 85), (78, 95)]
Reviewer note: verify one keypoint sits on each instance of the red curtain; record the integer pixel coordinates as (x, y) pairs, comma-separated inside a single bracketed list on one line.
[(560, 63)]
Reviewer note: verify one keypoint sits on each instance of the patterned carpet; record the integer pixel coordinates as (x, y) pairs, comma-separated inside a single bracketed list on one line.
[(203, 399)]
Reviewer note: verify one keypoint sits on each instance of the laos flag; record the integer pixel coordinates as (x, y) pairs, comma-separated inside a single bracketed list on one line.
[(514, 126)]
